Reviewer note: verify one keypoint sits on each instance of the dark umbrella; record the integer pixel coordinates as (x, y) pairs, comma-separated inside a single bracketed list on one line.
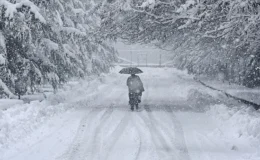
[(131, 70)]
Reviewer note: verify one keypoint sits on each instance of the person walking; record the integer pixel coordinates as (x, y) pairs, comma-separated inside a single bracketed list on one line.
[(135, 85), (135, 88)]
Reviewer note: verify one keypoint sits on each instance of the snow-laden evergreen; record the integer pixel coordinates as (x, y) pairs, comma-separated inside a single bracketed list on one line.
[(49, 42), (205, 36)]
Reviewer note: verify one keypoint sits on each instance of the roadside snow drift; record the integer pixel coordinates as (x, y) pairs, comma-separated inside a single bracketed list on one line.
[(178, 119)]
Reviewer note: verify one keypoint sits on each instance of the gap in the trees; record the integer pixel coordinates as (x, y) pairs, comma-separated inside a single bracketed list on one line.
[(140, 54)]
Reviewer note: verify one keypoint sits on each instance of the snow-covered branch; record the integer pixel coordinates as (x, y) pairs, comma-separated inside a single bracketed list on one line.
[(12, 8)]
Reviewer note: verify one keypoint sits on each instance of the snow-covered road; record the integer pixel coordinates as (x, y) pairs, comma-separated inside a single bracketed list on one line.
[(170, 125)]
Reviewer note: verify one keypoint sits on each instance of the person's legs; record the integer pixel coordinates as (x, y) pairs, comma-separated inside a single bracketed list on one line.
[(136, 99), (132, 107), (139, 97), (131, 100), (137, 106)]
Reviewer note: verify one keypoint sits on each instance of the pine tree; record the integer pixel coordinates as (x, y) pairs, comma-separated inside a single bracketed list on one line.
[(49, 42)]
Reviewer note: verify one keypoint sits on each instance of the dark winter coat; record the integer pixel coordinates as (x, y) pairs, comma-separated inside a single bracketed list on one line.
[(135, 84)]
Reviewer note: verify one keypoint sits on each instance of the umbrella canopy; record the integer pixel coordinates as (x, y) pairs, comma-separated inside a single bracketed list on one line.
[(131, 70)]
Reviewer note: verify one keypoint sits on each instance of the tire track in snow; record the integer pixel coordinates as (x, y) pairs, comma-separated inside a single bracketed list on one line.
[(92, 124), (86, 143), (159, 123), (117, 132), (158, 126), (161, 128), (140, 148), (179, 135), (77, 139), (99, 132), (77, 150), (115, 135), (163, 149), (142, 136), (96, 145)]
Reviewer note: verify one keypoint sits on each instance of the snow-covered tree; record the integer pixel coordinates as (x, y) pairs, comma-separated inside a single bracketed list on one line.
[(48, 41), (205, 36)]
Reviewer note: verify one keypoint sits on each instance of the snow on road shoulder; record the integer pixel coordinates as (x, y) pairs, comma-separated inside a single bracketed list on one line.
[(53, 136), (19, 121), (225, 133), (229, 130), (249, 94), (237, 126), (7, 103), (222, 133)]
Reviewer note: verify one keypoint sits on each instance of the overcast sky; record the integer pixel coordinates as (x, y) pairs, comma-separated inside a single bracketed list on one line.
[(153, 54)]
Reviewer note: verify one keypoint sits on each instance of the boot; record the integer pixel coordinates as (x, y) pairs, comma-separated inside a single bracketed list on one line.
[(132, 108), (137, 107)]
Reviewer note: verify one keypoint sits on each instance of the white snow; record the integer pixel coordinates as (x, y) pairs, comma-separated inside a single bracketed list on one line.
[(185, 6), (58, 18), (8, 103), (5, 89), (2, 49), (53, 76), (92, 120), (71, 30), (148, 3), (223, 133), (11, 8), (238, 124), (50, 44), (250, 94), (2, 41), (79, 11), (2, 60)]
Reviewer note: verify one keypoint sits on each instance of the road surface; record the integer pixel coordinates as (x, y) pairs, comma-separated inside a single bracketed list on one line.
[(167, 127)]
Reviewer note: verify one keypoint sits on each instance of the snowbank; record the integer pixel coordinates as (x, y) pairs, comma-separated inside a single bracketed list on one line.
[(237, 122), (21, 120), (200, 100), (237, 125), (7, 103), (239, 91)]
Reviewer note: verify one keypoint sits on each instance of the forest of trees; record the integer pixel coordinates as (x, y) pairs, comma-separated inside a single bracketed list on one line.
[(204, 36), (49, 41)]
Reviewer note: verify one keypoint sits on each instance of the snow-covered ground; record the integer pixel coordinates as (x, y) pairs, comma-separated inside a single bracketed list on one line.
[(179, 119), (250, 94)]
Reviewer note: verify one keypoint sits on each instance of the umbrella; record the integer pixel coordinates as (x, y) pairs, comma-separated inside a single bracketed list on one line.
[(131, 70)]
